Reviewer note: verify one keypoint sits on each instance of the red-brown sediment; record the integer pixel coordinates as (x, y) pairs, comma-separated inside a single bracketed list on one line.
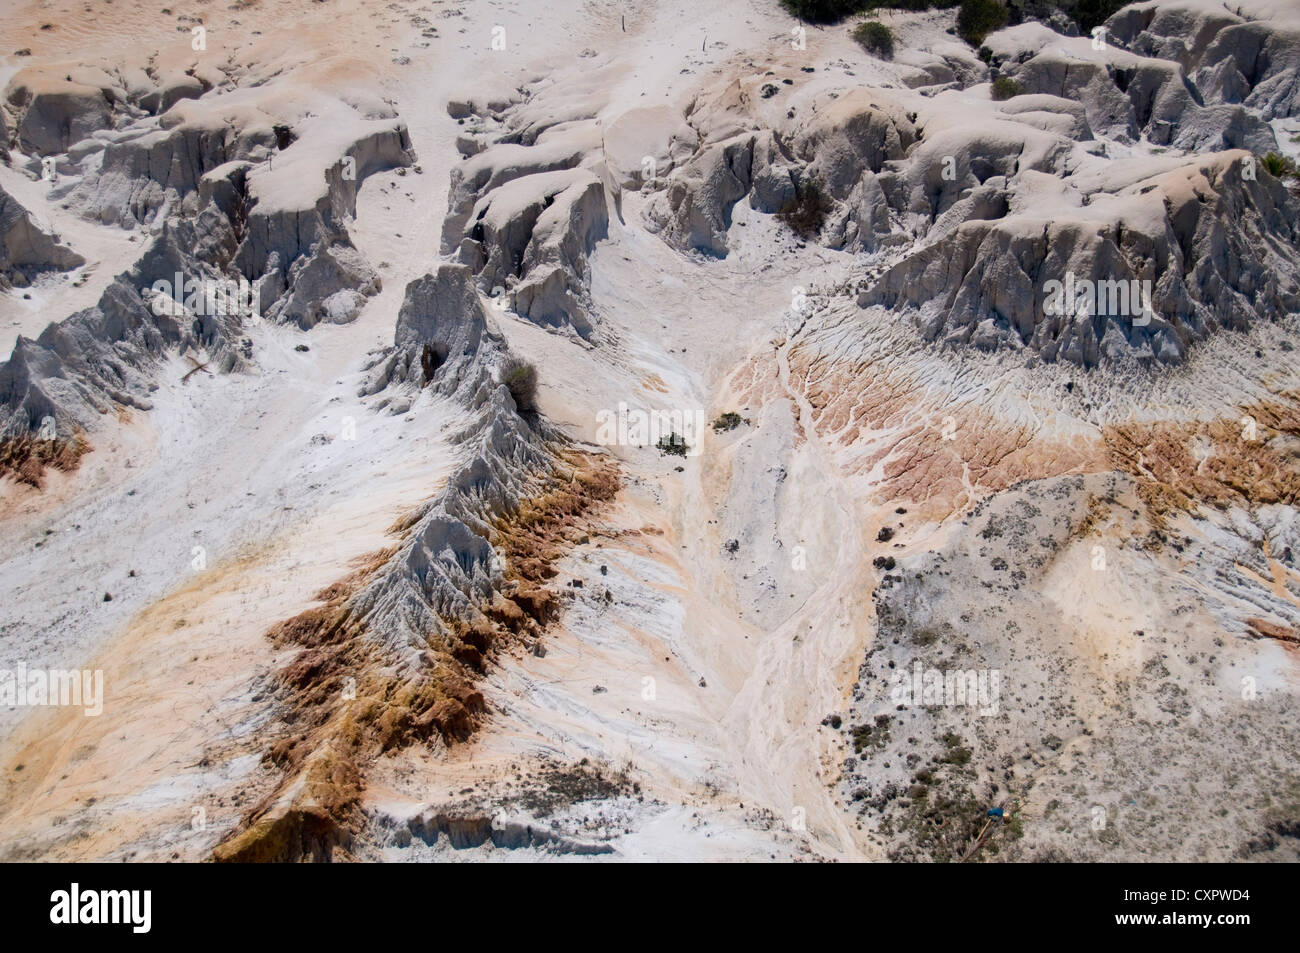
[(26, 458), (328, 738), (1272, 630), (1182, 465)]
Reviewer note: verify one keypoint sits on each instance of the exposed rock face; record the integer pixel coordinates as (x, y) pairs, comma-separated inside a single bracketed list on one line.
[(695, 210), (1226, 58), (300, 260), (465, 578), (1062, 117), (53, 108), (841, 151), (1211, 243), (862, 149), (524, 218), (966, 172), (58, 109), (217, 165), (657, 133), (290, 229), (202, 168), (505, 162), (948, 65), (449, 570), (533, 236), (1128, 95), (998, 199), (441, 336), (897, 425), (25, 248), (167, 90), (157, 165), (82, 366), (850, 135), (329, 282), (145, 171), (52, 114), (415, 634)]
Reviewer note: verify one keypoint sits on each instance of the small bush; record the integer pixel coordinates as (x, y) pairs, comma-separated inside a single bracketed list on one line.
[(978, 18), (806, 212), (728, 421), (1004, 87), (674, 444), (520, 377), (1278, 166), (957, 756), (876, 38)]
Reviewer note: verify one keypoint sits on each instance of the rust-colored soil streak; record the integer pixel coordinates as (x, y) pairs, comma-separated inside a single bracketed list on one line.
[(1250, 460), (347, 701), (25, 458)]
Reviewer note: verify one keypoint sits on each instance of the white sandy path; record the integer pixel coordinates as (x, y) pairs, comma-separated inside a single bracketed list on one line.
[(750, 735)]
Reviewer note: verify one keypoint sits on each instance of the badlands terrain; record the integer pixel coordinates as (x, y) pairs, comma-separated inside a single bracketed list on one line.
[(500, 430)]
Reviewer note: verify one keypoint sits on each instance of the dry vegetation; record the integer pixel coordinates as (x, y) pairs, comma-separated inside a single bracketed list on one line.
[(26, 458), (328, 739)]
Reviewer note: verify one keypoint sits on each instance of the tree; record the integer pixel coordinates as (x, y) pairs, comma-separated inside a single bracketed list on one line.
[(978, 18), (824, 11)]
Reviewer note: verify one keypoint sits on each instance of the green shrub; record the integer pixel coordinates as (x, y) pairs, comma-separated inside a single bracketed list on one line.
[(1278, 166), (520, 378), (728, 421), (876, 38), (1004, 87), (674, 444), (868, 736), (978, 18)]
